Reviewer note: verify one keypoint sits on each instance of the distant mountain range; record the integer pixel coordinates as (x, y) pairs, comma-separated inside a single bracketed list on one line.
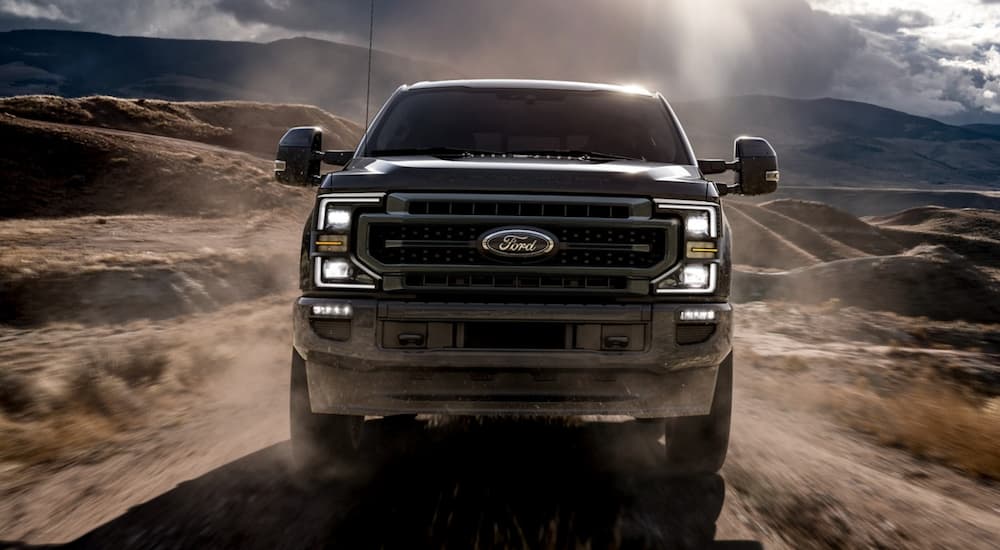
[(819, 142), (836, 142), (298, 70)]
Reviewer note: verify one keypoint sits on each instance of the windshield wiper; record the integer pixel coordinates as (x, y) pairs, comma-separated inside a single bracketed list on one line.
[(433, 152), (574, 153)]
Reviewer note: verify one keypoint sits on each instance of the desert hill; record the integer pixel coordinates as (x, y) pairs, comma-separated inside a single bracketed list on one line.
[(935, 262), (54, 170), (247, 126)]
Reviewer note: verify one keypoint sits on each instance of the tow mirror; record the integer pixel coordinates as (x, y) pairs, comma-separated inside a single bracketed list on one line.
[(755, 164), (758, 171), (299, 154)]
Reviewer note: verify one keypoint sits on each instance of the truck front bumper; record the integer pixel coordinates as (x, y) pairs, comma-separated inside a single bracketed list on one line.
[(391, 357)]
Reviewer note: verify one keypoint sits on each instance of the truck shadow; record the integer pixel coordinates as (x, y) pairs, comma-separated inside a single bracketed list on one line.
[(494, 485)]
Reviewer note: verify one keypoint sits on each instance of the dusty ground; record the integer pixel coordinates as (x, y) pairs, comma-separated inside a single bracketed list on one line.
[(208, 466), (143, 392)]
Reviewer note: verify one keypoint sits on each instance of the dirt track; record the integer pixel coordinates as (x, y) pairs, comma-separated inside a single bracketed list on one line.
[(212, 473)]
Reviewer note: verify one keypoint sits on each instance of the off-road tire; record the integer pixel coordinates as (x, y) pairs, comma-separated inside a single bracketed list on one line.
[(698, 444), (322, 445)]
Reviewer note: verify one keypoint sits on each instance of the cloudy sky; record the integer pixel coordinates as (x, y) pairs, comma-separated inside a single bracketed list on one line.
[(929, 57)]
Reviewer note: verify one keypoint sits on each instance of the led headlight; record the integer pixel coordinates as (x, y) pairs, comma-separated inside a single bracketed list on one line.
[(695, 276), (698, 224), (337, 269), (337, 219)]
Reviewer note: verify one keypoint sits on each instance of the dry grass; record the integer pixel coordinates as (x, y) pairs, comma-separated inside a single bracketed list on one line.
[(913, 406), (104, 393), (931, 419), (137, 366)]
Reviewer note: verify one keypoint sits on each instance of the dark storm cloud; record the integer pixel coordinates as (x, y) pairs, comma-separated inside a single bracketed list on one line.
[(750, 46), (688, 48)]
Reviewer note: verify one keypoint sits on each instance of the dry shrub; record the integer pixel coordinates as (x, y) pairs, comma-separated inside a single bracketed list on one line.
[(17, 393), (930, 419), (37, 442), (137, 366), (93, 390)]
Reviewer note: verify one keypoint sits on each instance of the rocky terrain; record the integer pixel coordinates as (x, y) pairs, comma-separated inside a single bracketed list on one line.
[(146, 276)]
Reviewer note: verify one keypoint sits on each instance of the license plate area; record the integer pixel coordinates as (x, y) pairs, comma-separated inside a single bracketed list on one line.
[(514, 335)]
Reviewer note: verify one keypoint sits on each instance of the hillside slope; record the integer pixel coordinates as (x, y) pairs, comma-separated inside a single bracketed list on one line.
[(242, 125)]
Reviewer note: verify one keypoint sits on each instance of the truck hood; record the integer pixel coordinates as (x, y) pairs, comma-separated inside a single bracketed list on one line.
[(621, 178)]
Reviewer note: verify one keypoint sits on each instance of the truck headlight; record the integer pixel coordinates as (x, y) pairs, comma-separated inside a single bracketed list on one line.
[(696, 276), (698, 225), (337, 269), (334, 266), (337, 218), (342, 272)]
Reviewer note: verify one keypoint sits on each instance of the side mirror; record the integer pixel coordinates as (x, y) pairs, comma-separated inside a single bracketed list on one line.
[(755, 164), (299, 154), (758, 166)]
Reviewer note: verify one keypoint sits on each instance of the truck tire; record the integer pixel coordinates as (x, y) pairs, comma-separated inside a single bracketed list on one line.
[(322, 444), (698, 444)]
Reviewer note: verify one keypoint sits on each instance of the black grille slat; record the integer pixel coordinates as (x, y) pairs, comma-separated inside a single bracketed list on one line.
[(519, 209), (448, 244), (513, 281)]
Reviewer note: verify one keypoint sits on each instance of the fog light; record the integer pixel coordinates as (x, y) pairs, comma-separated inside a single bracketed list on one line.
[(338, 218), (336, 269), (695, 276), (697, 315), (697, 225), (342, 311)]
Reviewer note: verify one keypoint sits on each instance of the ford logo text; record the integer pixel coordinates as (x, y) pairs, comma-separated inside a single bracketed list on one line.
[(518, 243)]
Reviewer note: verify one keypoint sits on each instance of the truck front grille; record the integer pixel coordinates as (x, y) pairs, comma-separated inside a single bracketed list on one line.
[(407, 243), (433, 242)]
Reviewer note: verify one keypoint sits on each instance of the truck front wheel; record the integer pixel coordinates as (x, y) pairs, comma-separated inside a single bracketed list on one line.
[(698, 444), (322, 444)]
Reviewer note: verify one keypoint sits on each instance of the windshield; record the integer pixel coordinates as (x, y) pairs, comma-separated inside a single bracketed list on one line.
[(596, 124)]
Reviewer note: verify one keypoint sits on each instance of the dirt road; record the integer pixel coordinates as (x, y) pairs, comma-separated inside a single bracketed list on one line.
[(212, 472)]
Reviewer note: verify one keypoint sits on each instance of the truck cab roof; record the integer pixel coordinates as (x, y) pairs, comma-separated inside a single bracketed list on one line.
[(494, 83)]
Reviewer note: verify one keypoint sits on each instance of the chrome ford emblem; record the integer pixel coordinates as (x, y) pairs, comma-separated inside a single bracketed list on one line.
[(518, 243)]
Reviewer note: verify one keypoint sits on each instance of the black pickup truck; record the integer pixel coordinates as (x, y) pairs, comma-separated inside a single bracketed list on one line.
[(512, 247)]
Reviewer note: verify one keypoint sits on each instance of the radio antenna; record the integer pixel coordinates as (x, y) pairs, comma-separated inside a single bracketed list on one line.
[(371, 41)]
